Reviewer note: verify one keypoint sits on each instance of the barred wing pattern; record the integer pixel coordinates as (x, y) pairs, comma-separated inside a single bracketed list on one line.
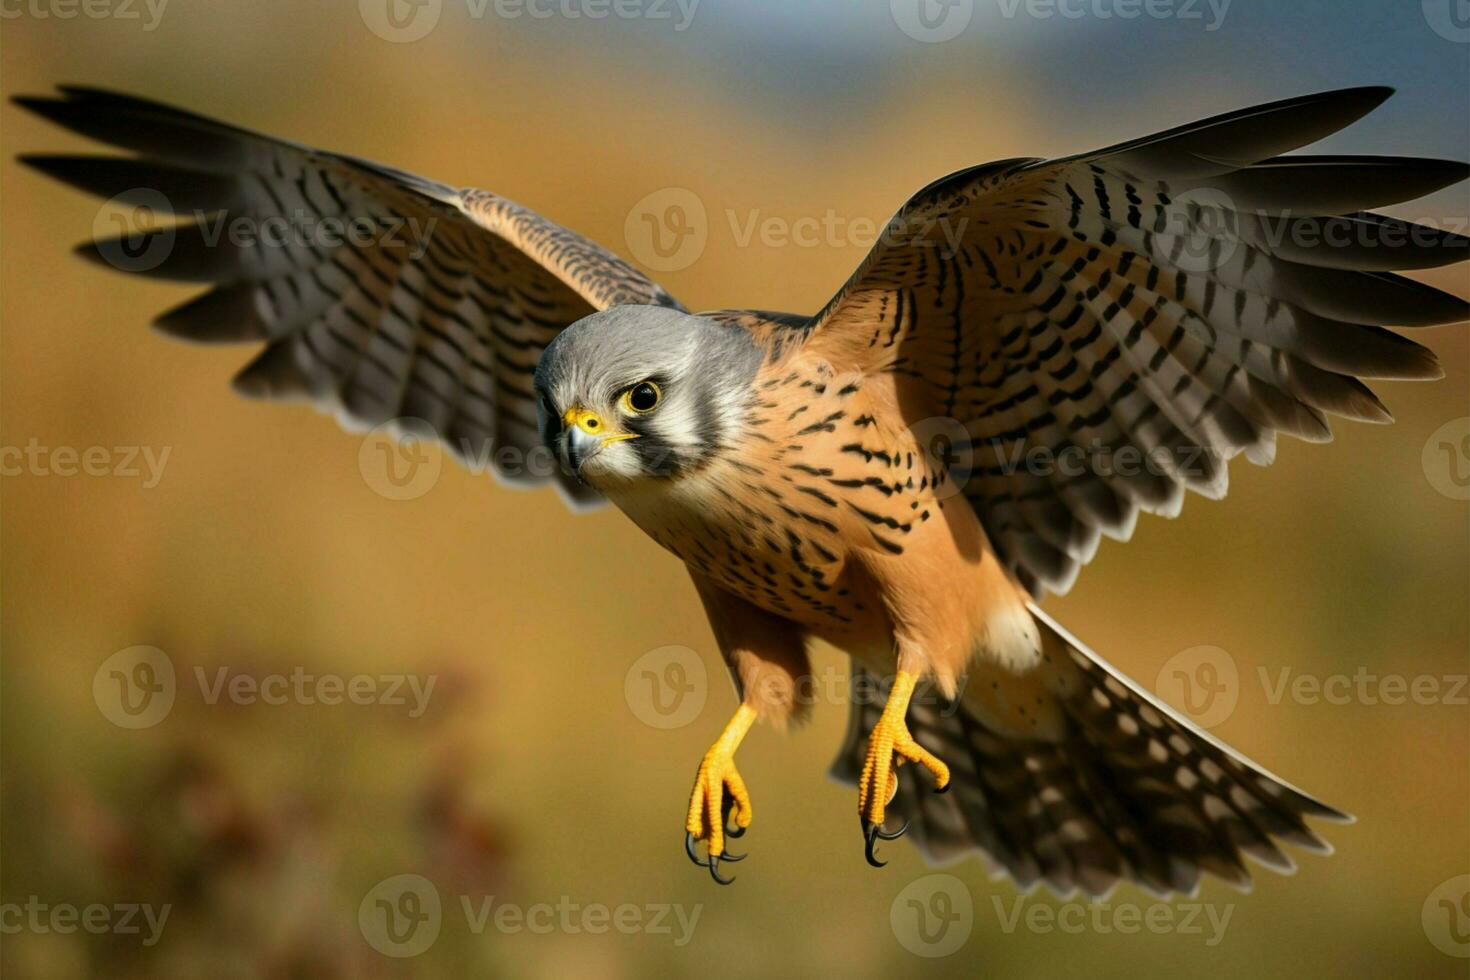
[(379, 295), (1131, 791), (1143, 314)]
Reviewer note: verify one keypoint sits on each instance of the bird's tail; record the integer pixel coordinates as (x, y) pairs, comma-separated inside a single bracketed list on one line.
[(1129, 791)]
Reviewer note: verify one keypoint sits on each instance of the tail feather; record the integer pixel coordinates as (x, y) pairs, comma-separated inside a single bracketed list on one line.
[(1132, 791)]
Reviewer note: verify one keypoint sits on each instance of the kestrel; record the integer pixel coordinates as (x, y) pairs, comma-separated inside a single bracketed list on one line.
[(1035, 352)]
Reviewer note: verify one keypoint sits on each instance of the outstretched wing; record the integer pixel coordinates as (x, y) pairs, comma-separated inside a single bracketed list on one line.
[(379, 295), (1103, 331)]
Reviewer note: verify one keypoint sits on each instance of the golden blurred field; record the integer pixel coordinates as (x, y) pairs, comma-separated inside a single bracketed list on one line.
[(263, 549)]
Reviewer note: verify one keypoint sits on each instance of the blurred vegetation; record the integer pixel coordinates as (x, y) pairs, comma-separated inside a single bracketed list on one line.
[(529, 778)]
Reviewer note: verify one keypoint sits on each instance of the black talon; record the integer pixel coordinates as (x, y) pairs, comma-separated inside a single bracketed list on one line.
[(714, 871), (710, 862), (736, 831), (873, 833), (872, 841), (941, 790)]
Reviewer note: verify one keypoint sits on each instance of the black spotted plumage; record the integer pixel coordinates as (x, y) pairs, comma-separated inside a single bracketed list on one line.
[(1178, 299)]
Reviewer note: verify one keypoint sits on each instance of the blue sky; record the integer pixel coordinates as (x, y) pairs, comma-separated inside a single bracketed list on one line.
[(819, 60)]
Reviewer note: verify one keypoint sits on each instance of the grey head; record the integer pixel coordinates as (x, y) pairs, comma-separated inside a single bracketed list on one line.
[(643, 393)]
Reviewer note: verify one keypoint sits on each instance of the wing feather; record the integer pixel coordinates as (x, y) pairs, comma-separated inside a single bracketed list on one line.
[(380, 296), (1149, 311)]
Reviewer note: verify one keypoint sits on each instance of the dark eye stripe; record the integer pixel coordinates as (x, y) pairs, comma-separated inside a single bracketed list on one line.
[(548, 411)]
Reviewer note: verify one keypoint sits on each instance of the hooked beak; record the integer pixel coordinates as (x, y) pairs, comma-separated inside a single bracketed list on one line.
[(587, 434)]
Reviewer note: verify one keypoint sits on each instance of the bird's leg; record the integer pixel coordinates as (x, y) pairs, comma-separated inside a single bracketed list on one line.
[(889, 746), (718, 789)]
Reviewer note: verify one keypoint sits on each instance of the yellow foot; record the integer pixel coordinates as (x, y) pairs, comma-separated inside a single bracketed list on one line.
[(889, 746), (718, 789)]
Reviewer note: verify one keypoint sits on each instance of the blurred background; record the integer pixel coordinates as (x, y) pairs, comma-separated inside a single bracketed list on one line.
[(543, 771)]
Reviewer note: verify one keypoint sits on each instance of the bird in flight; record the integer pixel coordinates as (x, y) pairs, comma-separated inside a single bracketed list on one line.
[(890, 474)]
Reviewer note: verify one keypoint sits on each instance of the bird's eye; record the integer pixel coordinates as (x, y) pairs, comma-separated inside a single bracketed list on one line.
[(642, 398)]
